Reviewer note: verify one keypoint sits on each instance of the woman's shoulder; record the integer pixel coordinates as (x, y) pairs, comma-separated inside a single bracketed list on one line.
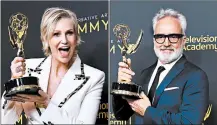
[(89, 70), (33, 62)]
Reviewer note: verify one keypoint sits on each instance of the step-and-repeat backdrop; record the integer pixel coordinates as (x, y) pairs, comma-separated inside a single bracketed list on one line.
[(93, 28), (201, 46)]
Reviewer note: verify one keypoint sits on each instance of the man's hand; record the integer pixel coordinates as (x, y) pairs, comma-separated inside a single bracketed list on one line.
[(124, 72), (140, 105)]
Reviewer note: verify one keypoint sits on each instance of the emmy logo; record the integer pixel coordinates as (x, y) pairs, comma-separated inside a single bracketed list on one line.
[(17, 32), (122, 32)]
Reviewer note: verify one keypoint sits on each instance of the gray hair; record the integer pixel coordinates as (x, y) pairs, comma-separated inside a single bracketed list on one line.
[(172, 13), (49, 20)]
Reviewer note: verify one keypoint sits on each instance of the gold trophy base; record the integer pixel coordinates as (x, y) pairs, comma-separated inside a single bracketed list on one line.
[(24, 85), (131, 91)]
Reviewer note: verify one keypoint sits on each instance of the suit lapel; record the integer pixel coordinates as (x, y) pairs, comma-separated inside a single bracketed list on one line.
[(146, 76), (43, 78), (177, 68)]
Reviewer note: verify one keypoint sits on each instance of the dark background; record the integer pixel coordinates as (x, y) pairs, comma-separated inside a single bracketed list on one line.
[(94, 51), (201, 19)]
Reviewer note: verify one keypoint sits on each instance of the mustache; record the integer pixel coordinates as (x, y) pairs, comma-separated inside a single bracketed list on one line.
[(167, 48)]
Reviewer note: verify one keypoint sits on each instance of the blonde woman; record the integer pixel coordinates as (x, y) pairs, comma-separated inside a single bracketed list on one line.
[(71, 90)]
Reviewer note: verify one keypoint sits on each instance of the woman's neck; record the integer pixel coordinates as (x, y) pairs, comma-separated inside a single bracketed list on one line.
[(58, 68)]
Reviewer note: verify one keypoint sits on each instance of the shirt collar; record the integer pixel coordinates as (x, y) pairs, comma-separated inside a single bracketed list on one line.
[(167, 66)]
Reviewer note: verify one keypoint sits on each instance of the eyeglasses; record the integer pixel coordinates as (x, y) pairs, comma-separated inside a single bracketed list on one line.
[(173, 38)]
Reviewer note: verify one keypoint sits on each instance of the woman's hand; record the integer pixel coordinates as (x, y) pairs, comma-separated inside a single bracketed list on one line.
[(41, 101), (18, 67)]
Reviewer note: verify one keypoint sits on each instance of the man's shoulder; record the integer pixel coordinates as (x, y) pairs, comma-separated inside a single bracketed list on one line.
[(188, 66), (193, 67), (193, 72), (149, 68)]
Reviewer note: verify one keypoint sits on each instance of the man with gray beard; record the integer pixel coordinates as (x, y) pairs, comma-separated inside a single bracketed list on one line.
[(175, 91)]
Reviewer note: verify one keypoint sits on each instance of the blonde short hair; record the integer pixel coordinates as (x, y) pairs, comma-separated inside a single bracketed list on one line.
[(49, 20)]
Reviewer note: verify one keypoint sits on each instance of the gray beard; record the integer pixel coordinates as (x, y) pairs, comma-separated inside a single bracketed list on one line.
[(169, 58)]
